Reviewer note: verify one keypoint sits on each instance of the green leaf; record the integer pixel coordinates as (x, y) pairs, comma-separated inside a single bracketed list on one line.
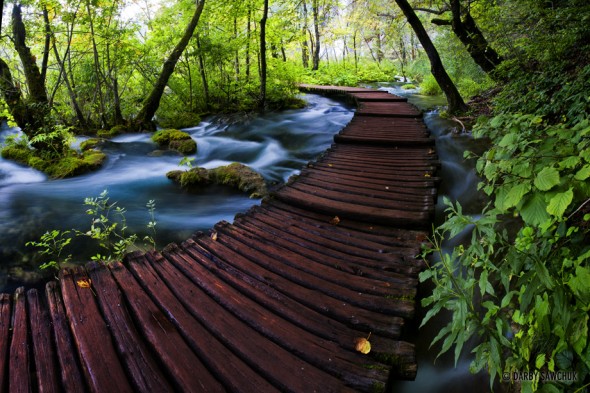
[(569, 162), (540, 361), (534, 210), (559, 203), (508, 140), (547, 179), (583, 173), (579, 283), (514, 196)]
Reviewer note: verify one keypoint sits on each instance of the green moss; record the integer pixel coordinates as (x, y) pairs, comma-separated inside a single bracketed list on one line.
[(235, 175), (93, 159), (116, 130), (19, 154), (176, 140), (185, 146), (37, 163), (89, 144), (408, 86)]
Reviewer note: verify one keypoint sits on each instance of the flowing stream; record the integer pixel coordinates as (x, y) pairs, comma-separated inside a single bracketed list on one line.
[(277, 145)]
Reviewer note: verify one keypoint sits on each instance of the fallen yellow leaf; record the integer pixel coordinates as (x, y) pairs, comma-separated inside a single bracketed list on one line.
[(335, 220), (84, 283), (214, 236), (427, 175), (362, 345)]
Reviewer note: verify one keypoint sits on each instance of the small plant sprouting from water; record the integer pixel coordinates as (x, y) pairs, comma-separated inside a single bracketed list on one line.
[(108, 229), (52, 243)]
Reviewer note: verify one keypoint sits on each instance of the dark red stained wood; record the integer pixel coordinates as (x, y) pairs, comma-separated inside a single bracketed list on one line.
[(417, 202), (336, 266), (297, 313), (391, 109), (423, 179), (20, 367), (91, 335), (234, 374), (377, 215), (354, 316), (255, 326), (383, 141), (326, 247), (71, 376), (405, 171), (43, 353), (272, 261), (337, 89), (186, 369), (5, 321), (145, 374), (378, 96), (380, 247)]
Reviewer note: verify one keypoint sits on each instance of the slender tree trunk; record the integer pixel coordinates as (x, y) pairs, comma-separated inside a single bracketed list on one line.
[(262, 102), (35, 83), (71, 91), (316, 26), (47, 45), (97, 70), (13, 97), (248, 34), (237, 55), (304, 43), (151, 104), (455, 101), (203, 73)]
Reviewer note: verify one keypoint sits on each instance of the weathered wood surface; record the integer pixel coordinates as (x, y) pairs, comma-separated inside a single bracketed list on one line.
[(271, 302)]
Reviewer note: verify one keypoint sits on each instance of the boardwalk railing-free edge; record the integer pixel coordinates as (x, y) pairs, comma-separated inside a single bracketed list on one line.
[(275, 301)]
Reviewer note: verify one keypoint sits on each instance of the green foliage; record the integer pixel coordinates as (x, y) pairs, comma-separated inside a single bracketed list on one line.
[(53, 243), (429, 86), (108, 229)]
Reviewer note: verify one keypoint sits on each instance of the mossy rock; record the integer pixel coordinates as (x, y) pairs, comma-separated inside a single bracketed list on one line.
[(235, 175), (90, 144), (175, 140), (75, 165), (19, 154), (114, 131), (241, 177), (408, 86), (38, 163)]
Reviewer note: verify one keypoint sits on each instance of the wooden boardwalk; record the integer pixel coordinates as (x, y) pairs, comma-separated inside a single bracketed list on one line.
[(274, 301)]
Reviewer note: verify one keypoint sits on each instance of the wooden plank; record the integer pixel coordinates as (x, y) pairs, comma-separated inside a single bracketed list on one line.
[(232, 372), (378, 96), (91, 335), (70, 371), (187, 371), (264, 337), (349, 314), (43, 353), (274, 261), (141, 366), (5, 330), (20, 380), (387, 109), (371, 214), (424, 179), (323, 244)]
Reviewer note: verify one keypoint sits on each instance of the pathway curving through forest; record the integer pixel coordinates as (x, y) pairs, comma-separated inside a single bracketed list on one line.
[(278, 300)]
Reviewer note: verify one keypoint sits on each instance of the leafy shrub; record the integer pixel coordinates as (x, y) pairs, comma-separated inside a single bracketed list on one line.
[(429, 86)]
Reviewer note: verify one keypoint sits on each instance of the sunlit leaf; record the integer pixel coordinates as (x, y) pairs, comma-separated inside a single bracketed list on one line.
[(84, 283), (362, 345), (335, 220)]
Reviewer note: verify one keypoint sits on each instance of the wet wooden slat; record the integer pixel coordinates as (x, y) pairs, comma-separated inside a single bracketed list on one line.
[(20, 380), (5, 330), (187, 371), (91, 335), (71, 375), (43, 353), (142, 369)]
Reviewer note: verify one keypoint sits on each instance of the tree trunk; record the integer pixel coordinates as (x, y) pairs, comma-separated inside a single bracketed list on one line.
[(316, 27), (35, 83), (203, 73), (304, 43), (12, 96), (151, 104), (248, 33), (467, 31), (262, 102), (455, 101), (47, 45)]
